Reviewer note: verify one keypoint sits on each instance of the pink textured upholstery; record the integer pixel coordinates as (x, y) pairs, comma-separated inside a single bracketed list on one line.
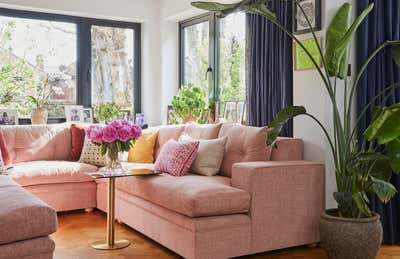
[(38, 142), (288, 197), (48, 172), (202, 131), (203, 237), (244, 144), (166, 133), (191, 195), (287, 149), (22, 215), (37, 248)]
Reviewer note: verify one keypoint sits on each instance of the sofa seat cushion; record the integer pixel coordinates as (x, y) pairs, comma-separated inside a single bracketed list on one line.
[(50, 172), (191, 195), (22, 215)]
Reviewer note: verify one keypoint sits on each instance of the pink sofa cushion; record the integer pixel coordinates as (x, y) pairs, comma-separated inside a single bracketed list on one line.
[(287, 149), (190, 195), (202, 131), (176, 157), (166, 133), (38, 142), (5, 156), (22, 215), (244, 144), (50, 172)]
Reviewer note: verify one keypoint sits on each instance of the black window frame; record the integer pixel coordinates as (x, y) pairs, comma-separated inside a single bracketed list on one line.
[(83, 25)]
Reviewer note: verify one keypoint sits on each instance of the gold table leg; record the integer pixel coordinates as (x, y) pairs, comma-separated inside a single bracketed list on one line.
[(111, 243)]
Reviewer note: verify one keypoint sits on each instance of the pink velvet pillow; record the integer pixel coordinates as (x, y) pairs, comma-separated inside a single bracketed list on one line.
[(175, 157), (77, 140)]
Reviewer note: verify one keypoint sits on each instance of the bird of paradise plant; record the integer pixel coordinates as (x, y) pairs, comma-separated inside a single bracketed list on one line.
[(360, 168)]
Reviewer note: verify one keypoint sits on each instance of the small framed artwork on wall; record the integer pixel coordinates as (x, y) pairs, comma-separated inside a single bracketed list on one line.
[(301, 60), (312, 8)]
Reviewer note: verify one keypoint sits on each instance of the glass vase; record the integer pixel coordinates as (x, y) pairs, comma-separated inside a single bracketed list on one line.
[(113, 162)]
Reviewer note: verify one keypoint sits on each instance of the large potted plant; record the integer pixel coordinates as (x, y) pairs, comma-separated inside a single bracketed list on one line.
[(40, 101), (351, 230), (189, 103)]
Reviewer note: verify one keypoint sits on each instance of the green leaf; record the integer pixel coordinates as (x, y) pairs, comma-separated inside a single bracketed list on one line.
[(336, 30), (396, 53), (386, 127), (222, 10), (344, 43), (344, 201), (361, 201), (280, 120), (393, 151), (384, 190)]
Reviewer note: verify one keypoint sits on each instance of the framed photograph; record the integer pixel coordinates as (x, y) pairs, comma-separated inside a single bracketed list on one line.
[(312, 8), (74, 113), (301, 61), (8, 117), (87, 115), (170, 110), (139, 119)]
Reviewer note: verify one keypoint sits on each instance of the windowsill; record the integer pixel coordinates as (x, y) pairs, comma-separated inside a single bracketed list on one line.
[(27, 121)]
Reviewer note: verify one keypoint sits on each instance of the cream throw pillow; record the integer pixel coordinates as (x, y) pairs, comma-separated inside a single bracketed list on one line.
[(209, 155), (91, 154)]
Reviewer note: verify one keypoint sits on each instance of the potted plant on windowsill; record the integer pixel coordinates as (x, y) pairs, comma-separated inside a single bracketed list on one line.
[(189, 104), (40, 101), (351, 230)]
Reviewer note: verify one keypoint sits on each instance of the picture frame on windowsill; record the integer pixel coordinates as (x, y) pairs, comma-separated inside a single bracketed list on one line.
[(87, 115), (74, 113), (8, 117)]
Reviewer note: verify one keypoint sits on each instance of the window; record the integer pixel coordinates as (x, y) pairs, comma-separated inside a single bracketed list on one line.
[(213, 57), (85, 61)]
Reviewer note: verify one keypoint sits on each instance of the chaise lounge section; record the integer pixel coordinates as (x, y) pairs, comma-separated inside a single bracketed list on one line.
[(254, 205)]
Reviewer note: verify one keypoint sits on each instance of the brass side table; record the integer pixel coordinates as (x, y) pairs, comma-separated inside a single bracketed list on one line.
[(110, 243)]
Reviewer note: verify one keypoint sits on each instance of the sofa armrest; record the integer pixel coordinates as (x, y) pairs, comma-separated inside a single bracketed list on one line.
[(287, 199)]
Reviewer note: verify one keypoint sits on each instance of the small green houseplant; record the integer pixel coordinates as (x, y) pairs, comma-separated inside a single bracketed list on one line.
[(107, 112), (189, 104), (359, 169), (40, 101)]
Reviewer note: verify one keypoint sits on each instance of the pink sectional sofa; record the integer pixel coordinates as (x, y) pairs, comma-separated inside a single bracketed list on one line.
[(252, 207)]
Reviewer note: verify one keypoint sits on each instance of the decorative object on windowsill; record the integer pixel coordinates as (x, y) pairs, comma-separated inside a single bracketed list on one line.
[(8, 117), (311, 9), (107, 112), (139, 119), (234, 111), (40, 101), (126, 115), (300, 58), (118, 136), (360, 168), (74, 113), (189, 105), (87, 115)]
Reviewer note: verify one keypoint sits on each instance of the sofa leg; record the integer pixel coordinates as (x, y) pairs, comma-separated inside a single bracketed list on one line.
[(88, 210)]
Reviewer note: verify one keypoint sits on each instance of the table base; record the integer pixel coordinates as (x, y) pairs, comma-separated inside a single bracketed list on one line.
[(103, 244)]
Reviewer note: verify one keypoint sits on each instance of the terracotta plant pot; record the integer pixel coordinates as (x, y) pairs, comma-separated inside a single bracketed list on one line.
[(39, 116), (349, 238), (189, 118)]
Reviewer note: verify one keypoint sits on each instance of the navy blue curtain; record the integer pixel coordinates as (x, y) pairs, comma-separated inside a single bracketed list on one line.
[(381, 25), (270, 69)]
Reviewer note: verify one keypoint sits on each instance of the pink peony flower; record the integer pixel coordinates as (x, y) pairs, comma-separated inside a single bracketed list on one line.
[(125, 122), (95, 133), (124, 133), (136, 131), (116, 124), (110, 133)]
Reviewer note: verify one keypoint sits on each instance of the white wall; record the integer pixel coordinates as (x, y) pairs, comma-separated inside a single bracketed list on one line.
[(146, 12)]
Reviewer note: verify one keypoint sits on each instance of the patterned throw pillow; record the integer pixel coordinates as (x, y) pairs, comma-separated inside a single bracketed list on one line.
[(175, 157), (209, 155), (91, 154)]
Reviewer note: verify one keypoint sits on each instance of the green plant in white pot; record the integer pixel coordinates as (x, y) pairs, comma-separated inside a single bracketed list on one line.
[(189, 104), (40, 101), (351, 230)]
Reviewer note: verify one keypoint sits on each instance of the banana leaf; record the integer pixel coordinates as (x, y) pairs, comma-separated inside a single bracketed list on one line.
[(393, 152), (396, 53), (384, 190), (280, 120), (335, 58), (361, 201), (222, 10), (336, 30), (386, 127)]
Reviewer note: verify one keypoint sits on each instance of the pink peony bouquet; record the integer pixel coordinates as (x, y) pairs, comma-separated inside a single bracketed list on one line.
[(118, 136)]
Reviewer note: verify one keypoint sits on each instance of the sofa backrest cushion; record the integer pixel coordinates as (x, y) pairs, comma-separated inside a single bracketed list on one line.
[(38, 142), (5, 155), (202, 131), (244, 144), (287, 149), (166, 133)]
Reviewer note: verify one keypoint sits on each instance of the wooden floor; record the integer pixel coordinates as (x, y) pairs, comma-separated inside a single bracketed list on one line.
[(78, 229)]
